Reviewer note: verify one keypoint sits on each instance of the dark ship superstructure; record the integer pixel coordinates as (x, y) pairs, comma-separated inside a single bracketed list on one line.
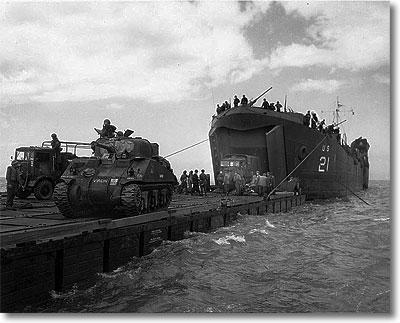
[(280, 143), (125, 177)]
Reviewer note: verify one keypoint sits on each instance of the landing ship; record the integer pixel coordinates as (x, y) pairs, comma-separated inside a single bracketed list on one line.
[(280, 143)]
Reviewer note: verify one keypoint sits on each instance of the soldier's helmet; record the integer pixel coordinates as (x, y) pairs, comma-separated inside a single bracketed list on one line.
[(53, 135), (107, 121)]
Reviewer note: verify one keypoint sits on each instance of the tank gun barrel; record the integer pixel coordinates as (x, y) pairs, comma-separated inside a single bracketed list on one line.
[(256, 99)]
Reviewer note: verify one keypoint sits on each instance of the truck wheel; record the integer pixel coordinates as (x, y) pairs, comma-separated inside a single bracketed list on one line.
[(23, 194), (43, 190)]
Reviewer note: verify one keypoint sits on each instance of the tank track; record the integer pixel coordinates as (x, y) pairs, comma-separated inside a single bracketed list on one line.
[(131, 200), (61, 198)]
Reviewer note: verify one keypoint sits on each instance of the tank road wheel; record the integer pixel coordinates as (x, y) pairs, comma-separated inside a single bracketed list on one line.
[(23, 194), (131, 200), (43, 189)]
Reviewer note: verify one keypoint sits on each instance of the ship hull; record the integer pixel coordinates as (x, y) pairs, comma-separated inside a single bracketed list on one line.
[(283, 144)]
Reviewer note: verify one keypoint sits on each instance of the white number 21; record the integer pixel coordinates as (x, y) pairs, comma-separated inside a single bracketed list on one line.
[(323, 164)]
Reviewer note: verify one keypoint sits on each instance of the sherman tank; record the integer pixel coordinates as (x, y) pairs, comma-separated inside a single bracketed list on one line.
[(125, 177)]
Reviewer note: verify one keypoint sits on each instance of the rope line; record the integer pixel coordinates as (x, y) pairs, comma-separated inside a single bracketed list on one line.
[(305, 158), (176, 152)]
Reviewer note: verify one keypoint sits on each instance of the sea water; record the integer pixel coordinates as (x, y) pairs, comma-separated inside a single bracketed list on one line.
[(325, 256)]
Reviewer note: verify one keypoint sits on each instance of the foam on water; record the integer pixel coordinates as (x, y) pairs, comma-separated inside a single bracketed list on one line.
[(227, 239), (269, 224), (325, 256)]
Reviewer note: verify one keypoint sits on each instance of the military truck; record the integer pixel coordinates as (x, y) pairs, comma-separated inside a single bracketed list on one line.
[(40, 169), (245, 165)]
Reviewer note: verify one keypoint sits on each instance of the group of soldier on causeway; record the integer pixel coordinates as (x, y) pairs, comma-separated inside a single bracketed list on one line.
[(193, 183), (232, 182)]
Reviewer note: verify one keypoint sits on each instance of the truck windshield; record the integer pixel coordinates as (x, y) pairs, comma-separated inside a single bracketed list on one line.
[(230, 163), (24, 155)]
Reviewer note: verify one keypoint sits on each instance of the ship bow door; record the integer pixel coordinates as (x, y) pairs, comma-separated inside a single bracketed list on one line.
[(276, 153)]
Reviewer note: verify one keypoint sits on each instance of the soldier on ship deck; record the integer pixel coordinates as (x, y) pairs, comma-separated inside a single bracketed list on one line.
[(219, 109), (265, 104), (236, 101), (227, 105), (272, 106), (307, 118), (244, 100), (278, 106), (321, 126), (314, 120)]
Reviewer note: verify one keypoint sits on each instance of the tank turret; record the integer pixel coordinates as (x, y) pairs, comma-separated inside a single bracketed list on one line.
[(125, 177)]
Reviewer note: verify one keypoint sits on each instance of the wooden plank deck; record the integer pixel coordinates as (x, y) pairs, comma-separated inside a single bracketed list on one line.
[(34, 220)]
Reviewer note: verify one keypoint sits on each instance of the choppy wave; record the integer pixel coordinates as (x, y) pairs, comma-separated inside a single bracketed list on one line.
[(325, 256)]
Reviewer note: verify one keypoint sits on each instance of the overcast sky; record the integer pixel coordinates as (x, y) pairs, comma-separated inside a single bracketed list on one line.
[(159, 68)]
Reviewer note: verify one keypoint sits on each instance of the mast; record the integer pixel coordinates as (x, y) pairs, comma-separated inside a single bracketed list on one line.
[(285, 101), (337, 117)]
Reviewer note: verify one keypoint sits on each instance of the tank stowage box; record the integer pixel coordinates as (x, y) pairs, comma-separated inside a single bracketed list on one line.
[(125, 177)]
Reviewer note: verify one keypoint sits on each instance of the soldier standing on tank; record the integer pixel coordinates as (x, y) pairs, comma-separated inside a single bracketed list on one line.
[(13, 177), (265, 104), (195, 182), (244, 100), (278, 106), (108, 130), (120, 135), (56, 146), (236, 101), (203, 183)]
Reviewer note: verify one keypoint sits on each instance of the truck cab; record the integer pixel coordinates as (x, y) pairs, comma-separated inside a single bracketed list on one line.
[(41, 170), (245, 165)]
